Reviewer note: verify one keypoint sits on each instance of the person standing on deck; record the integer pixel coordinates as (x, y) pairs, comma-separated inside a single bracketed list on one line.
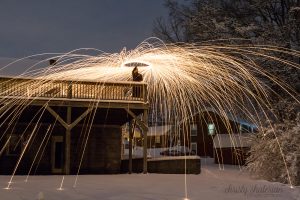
[(136, 76)]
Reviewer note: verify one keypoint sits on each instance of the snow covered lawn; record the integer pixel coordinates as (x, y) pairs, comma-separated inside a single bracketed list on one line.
[(212, 183)]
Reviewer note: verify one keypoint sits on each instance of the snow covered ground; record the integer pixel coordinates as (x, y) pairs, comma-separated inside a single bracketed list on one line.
[(212, 183)]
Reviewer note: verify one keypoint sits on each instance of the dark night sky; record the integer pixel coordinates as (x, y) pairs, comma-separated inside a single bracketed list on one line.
[(38, 26)]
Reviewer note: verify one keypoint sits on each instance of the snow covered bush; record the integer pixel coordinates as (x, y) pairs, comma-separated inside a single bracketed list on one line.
[(275, 153)]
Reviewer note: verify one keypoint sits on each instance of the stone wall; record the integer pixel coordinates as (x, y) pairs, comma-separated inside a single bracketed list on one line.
[(166, 165)]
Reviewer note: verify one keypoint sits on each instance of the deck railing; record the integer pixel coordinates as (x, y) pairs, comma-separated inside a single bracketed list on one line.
[(84, 90)]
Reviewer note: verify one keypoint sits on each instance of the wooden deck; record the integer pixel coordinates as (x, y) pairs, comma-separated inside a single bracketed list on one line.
[(74, 93), (126, 98)]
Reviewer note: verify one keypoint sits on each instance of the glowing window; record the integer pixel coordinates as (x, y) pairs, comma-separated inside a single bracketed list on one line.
[(211, 129), (245, 129)]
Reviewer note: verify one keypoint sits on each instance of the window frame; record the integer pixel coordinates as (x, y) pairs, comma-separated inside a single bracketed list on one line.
[(18, 140), (243, 128), (209, 130), (193, 129), (196, 145)]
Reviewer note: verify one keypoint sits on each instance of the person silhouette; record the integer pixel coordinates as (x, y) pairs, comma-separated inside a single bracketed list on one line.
[(136, 76)]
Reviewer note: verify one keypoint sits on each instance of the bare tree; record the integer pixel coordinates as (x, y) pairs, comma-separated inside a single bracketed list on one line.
[(260, 21)]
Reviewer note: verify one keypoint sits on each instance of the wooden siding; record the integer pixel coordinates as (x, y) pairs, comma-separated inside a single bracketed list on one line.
[(203, 139), (232, 156), (102, 155)]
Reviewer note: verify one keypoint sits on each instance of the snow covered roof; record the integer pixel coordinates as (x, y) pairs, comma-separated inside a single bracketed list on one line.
[(158, 130), (230, 116), (152, 131), (232, 140)]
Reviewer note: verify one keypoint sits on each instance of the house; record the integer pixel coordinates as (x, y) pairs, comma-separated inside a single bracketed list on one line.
[(157, 136), (209, 135), (157, 141), (231, 149), (65, 127)]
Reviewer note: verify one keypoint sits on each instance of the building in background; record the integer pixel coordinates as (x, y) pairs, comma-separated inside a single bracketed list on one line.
[(209, 134)]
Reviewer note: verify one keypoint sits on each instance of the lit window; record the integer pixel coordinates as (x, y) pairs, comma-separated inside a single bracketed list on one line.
[(211, 129), (194, 147), (193, 129), (245, 129), (157, 139)]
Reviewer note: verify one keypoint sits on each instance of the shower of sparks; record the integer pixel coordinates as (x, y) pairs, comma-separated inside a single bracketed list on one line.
[(182, 80)]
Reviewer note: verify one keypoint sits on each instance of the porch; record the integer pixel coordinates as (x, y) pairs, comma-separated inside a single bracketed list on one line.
[(70, 102)]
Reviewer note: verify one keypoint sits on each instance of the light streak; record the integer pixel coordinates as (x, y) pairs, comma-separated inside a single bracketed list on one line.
[(183, 79)]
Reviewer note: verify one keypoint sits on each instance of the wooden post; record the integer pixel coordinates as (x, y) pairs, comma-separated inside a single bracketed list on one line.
[(68, 126), (68, 142), (68, 133), (145, 120), (145, 93), (131, 132)]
